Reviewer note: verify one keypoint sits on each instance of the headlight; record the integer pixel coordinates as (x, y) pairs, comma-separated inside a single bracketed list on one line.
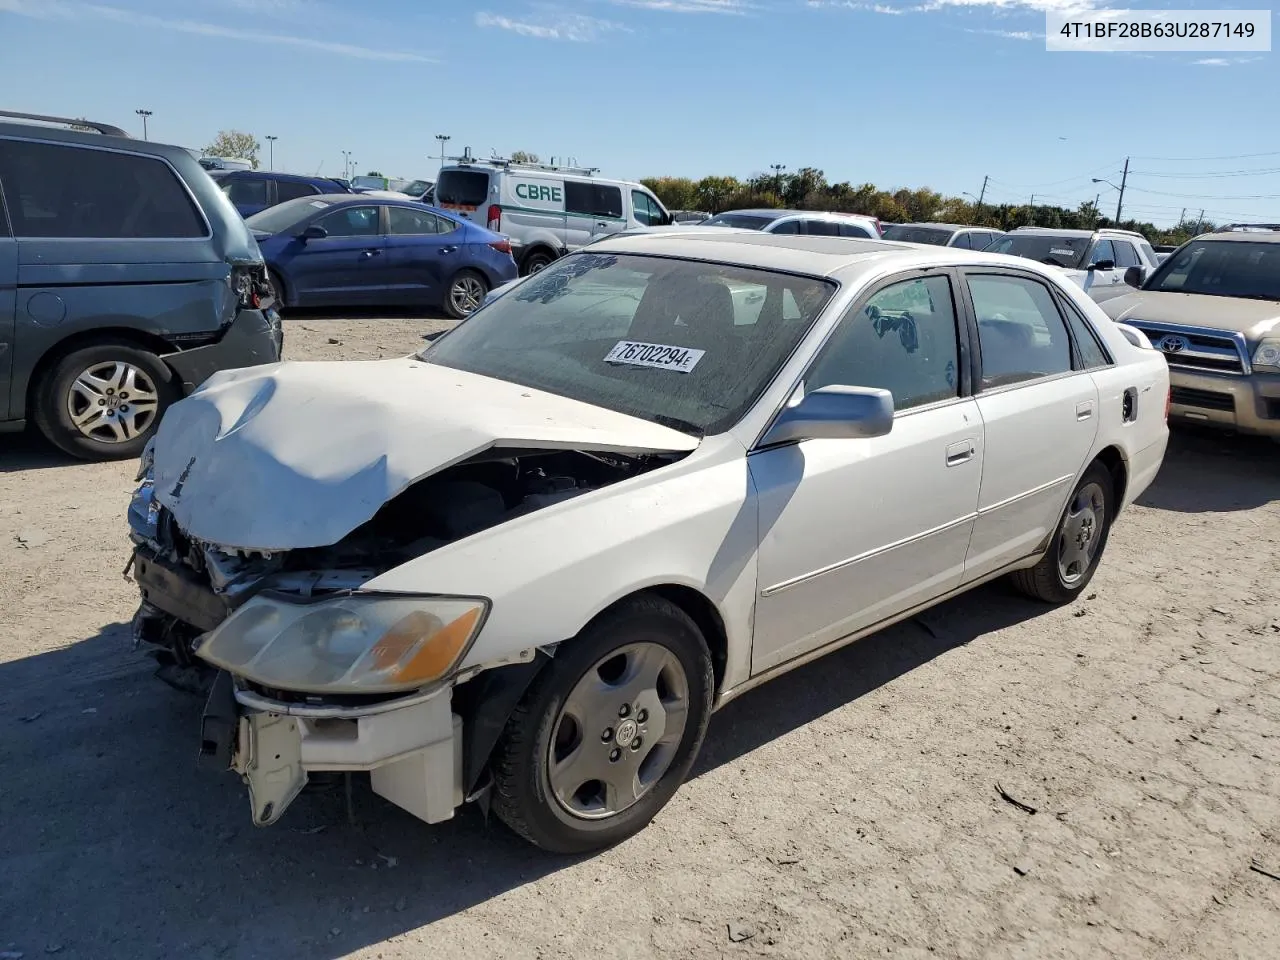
[(1267, 354), (353, 644), (147, 461)]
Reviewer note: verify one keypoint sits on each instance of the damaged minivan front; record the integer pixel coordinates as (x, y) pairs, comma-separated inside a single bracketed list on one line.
[(368, 566)]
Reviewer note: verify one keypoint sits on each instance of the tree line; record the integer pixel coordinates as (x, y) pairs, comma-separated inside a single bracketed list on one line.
[(808, 189)]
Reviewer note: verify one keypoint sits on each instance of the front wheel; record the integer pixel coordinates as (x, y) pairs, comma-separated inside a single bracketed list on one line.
[(608, 731), (1072, 559), (465, 294)]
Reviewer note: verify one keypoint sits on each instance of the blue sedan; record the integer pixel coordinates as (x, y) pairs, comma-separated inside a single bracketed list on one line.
[(353, 250)]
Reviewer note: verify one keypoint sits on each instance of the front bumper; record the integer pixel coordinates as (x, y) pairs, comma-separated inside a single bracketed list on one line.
[(1244, 404), (253, 337), (410, 747)]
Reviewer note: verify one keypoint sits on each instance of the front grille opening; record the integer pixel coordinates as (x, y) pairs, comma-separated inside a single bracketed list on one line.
[(1205, 399)]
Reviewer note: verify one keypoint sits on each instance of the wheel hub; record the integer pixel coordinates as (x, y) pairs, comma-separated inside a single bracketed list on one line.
[(626, 731)]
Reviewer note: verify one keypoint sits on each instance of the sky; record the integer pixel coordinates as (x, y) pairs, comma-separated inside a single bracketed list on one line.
[(899, 93)]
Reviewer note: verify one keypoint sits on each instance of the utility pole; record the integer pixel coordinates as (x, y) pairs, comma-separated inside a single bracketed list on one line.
[(443, 138), (143, 114), (777, 169), (1123, 180), (1182, 217), (982, 193), (271, 151), (1200, 221)]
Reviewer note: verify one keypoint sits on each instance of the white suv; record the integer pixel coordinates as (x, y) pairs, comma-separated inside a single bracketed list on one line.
[(1096, 260), (808, 222)]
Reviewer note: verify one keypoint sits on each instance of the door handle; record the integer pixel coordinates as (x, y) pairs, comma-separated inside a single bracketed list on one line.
[(601, 223), (447, 250), (366, 254), (1084, 410), (962, 452)]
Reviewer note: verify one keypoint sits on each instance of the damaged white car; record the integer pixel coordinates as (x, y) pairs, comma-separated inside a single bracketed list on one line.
[(525, 565)]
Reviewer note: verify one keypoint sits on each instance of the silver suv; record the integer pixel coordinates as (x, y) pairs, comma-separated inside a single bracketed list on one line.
[(1099, 261), (1213, 308)]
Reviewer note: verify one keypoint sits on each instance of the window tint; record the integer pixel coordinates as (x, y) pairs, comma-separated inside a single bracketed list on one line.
[(246, 190), (980, 240), (592, 199), (903, 339), (1149, 251), (58, 191), (787, 226), (1126, 255), (1102, 250), (821, 228), (855, 230), (647, 212), (293, 189), (351, 222), (406, 222), (1088, 346), (1019, 330), (962, 241), (463, 188)]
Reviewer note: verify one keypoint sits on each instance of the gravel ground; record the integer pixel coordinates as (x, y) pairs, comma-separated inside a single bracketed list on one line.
[(850, 808)]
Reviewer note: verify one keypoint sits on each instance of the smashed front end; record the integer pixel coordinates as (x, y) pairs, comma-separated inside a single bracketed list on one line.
[(306, 672)]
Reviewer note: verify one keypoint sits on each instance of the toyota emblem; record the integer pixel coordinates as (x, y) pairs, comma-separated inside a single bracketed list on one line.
[(1174, 344)]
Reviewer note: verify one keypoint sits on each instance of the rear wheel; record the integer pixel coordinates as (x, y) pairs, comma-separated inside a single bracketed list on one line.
[(103, 402), (465, 294), (609, 730), (1072, 559), (537, 260), (277, 288)]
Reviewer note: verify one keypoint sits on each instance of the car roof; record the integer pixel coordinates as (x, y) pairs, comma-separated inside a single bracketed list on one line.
[(50, 133), (775, 214), (793, 253), (947, 226), (1243, 236), (1053, 232)]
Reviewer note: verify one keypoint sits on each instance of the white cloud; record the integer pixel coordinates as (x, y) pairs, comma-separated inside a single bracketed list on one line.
[(1223, 61), (1008, 34), (56, 9), (575, 28), (737, 7), (931, 6)]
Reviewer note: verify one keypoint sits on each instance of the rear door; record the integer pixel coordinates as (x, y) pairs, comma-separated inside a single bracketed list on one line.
[(1039, 412), (423, 251), (349, 266), (249, 194), (464, 192), (8, 304)]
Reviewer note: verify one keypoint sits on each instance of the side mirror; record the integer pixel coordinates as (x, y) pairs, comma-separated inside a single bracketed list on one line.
[(834, 413), (1103, 265), (1135, 276), (313, 232)]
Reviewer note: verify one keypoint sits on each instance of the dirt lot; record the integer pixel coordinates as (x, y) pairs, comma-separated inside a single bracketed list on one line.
[(848, 809)]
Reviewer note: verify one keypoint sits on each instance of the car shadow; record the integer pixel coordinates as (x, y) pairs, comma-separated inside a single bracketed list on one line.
[(29, 450), (1209, 472), (117, 844), (365, 313)]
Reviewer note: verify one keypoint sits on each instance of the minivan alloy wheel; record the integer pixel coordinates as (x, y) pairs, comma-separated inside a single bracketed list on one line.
[(618, 731), (113, 402)]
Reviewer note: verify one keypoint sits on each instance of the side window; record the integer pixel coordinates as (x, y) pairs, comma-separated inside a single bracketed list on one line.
[(646, 212), (903, 339), (77, 192), (1092, 354), (821, 228), (1103, 250), (962, 241), (247, 190), (351, 222), (787, 226), (1150, 252), (608, 202), (855, 230), (1126, 256), (1020, 332), (980, 240), (406, 223), (592, 200), (293, 189)]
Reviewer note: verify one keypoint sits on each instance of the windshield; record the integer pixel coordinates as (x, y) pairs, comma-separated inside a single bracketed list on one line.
[(370, 183), (283, 216), (415, 188), (687, 344), (905, 233), (741, 221), (1057, 251), (1222, 268)]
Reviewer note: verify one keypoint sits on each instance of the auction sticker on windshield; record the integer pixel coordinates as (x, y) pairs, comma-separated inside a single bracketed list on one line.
[(1062, 253), (679, 359)]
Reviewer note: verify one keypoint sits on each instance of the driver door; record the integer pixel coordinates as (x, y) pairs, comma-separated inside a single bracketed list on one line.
[(1102, 284), (855, 531), (349, 266)]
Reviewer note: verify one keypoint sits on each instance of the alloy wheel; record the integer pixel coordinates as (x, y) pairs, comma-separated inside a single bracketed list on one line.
[(113, 402)]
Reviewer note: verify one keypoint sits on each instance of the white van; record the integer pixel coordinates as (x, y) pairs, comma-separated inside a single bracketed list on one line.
[(546, 210)]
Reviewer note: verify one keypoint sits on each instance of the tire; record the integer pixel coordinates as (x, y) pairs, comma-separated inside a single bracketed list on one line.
[(537, 260), (96, 377), (1063, 573), (545, 748), (464, 294), (280, 290)]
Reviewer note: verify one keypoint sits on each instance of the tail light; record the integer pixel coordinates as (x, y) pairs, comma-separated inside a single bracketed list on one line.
[(495, 217), (251, 287), (502, 246)]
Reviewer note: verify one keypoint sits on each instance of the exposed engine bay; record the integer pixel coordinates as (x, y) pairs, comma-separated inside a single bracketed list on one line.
[(189, 586)]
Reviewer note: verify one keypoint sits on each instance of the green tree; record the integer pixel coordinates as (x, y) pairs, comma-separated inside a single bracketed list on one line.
[(524, 156), (236, 144), (374, 173), (676, 193), (714, 193)]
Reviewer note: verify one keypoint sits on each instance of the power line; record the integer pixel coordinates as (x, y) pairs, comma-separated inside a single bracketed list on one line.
[(1114, 167), (1269, 171), (1237, 156), (1209, 196)]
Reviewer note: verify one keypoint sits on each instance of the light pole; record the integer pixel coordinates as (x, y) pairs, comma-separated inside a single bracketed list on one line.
[(346, 164), (443, 138), (143, 114), (271, 151), (777, 169)]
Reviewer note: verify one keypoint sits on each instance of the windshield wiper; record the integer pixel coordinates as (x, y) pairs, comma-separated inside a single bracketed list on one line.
[(675, 423)]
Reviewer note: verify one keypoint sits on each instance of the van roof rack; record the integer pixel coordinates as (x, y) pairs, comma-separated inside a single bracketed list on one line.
[(104, 128), (507, 163)]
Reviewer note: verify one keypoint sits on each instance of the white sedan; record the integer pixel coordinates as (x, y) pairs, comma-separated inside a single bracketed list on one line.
[(528, 563)]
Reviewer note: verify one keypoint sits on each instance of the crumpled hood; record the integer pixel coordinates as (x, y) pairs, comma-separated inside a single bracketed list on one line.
[(299, 454), (1254, 318)]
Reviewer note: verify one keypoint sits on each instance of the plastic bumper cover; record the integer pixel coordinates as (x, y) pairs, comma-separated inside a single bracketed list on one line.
[(253, 337)]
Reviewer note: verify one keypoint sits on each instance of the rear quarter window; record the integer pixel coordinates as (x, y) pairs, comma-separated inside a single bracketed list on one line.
[(463, 188), (57, 191)]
